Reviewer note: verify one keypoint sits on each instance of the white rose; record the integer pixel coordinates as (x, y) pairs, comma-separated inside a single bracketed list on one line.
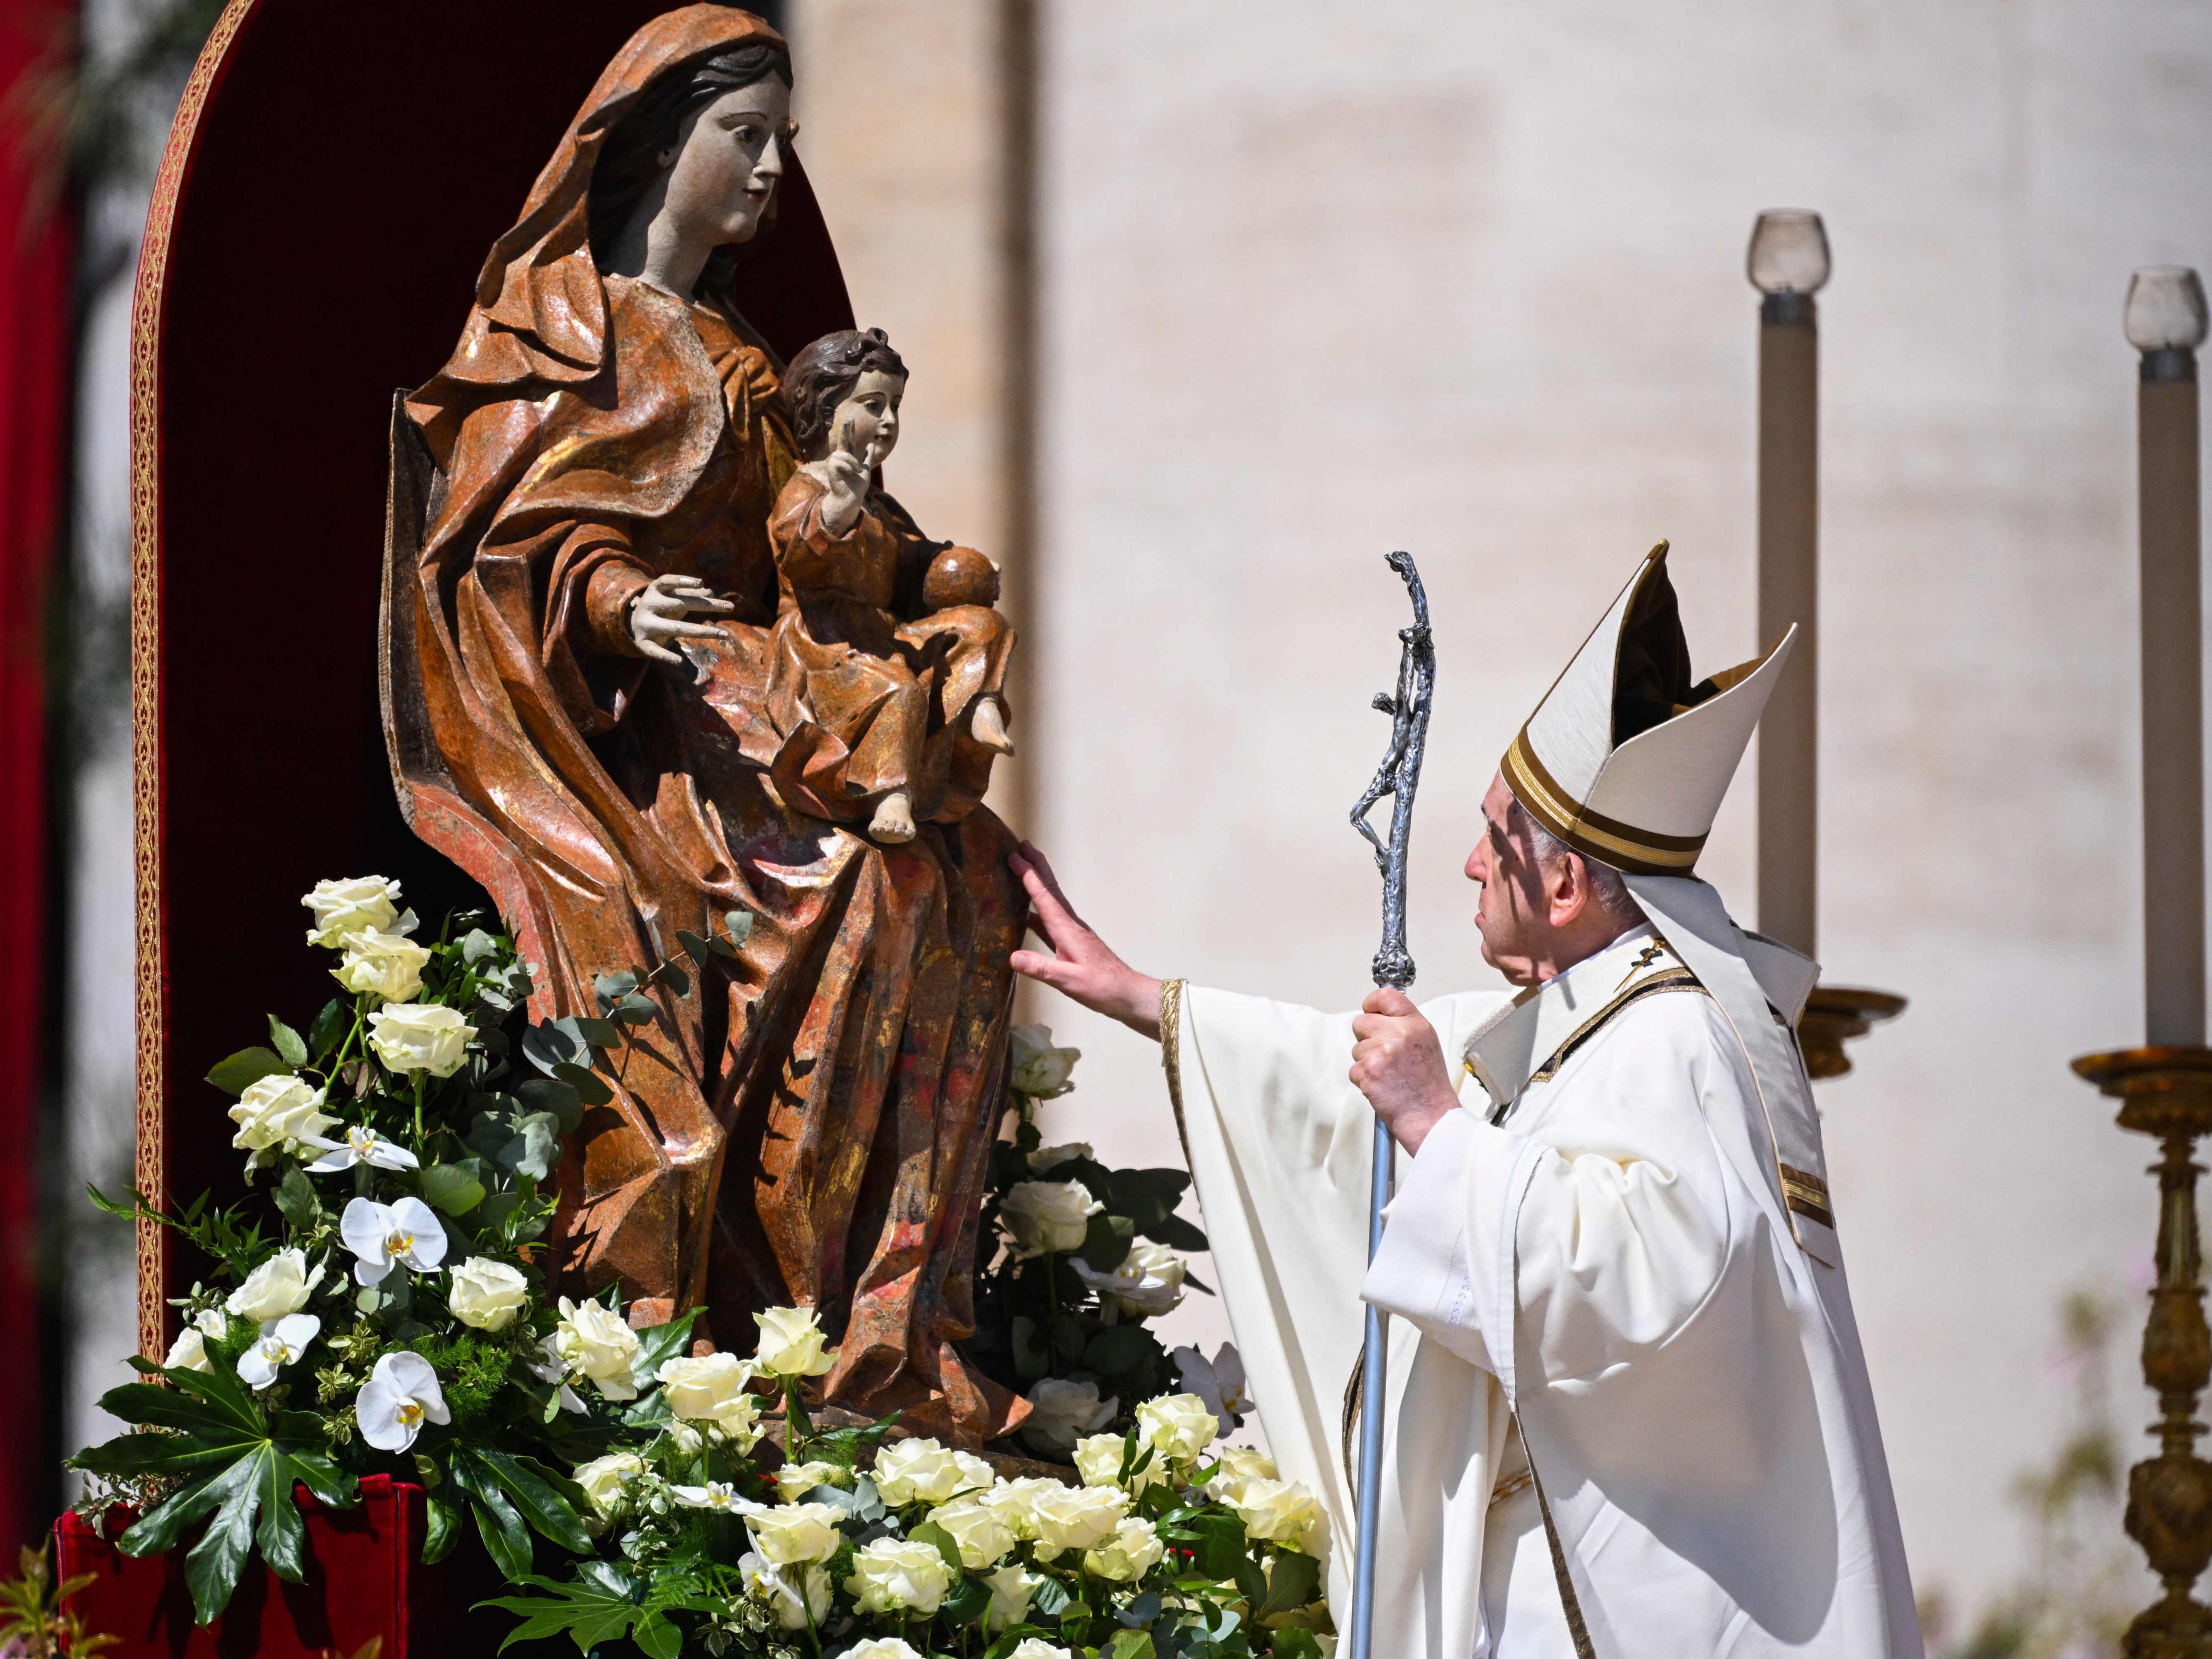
[(1046, 1160), (1035, 1647), (977, 1532), (1147, 1284), (1012, 1587), (189, 1351), (1047, 1215), (1098, 1461), (791, 1344), (794, 1480), (798, 1596), (1039, 1069), (487, 1295), (276, 1114), (389, 965), (410, 1036), (345, 906), (923, 1472), (1235, 1466), (1077, 1518), (711, 1389), (795, 1532), (1061, 1411), (605, 1481), (896, 1575), (1014, 1503), (592, 1339), (1178, 1425), (1280, 1511), (278, 1286), (1134, 1551), (880, 1647)]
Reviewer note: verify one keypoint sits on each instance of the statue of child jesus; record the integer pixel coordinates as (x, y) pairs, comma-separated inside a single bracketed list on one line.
[(872, 711)]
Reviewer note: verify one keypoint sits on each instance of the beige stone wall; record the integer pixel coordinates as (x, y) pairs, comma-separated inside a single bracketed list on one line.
[(1321, 280)]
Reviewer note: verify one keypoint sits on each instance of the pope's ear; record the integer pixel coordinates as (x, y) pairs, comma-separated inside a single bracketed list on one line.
[(1566, 889)]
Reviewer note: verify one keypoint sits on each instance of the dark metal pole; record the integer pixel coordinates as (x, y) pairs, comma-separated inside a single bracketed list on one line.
[(1398, 777)]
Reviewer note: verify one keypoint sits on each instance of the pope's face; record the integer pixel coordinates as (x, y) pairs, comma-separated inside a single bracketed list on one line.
[(728, 162), (866, 424), (1514, 913)]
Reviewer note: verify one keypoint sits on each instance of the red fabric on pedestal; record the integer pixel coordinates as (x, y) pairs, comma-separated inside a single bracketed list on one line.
[(364, 1579), (34, 359)]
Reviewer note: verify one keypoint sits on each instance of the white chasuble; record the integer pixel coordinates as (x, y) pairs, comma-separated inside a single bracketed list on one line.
[(1584, 1277)]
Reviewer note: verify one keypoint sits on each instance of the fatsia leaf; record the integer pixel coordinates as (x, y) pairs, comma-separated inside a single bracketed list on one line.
[(528, 1495), (212, 1566), (282, 1535), (240, 1071), (443, 1531), (658, 1635), (501, 1528)]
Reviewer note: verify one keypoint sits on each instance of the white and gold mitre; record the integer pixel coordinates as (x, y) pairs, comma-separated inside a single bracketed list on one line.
[(1625, 759)]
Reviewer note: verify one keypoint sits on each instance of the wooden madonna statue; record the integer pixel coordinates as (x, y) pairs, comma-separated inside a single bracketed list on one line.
[(658, 653)]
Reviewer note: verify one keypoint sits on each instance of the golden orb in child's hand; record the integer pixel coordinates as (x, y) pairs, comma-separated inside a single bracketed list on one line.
[(959, 575)]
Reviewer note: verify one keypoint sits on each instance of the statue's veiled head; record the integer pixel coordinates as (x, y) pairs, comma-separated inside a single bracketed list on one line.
[(692, 166)]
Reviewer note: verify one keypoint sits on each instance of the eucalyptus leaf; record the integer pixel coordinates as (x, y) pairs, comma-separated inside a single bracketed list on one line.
[(740, 924), (611, 988), (586, 1082), (671, 975), (550, 1046), (476, 945), (694, 946), (600, 1033), (634, 1009), (536, 1143), (550, 1095)]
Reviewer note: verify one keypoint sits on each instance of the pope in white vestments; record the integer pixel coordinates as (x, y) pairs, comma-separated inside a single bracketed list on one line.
[(1628, 1413)]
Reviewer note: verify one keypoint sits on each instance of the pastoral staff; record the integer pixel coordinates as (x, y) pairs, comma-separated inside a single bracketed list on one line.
[(1628, 1411)]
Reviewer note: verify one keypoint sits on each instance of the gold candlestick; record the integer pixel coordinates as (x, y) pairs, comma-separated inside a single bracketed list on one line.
[(2168, 1092), (1833, 1015)]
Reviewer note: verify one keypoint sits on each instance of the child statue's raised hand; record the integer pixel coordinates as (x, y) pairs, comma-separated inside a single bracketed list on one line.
[(863, 431)]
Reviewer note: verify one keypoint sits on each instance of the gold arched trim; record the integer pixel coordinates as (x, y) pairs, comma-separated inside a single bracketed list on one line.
[(151, 1165)]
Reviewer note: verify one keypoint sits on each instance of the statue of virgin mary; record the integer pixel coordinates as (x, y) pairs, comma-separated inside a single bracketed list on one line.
[(580, 498)]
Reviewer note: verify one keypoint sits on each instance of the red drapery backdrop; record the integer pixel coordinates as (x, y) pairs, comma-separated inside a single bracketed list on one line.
[(34, 365)]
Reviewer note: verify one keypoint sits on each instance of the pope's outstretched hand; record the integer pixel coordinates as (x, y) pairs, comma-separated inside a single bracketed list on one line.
[(1081, 967), (1398, 1063)]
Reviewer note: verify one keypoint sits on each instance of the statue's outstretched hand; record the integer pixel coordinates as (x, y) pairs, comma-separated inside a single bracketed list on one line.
[(1398, 1063), (659, 618), (1081, 966), (845, 478)]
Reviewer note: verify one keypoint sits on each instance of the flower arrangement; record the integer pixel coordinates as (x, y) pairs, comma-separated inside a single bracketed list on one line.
[(624, 1481)]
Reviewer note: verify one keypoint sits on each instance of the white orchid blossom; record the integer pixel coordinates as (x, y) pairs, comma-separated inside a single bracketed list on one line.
[(1218, 1382), (401, 1395), (718, 1495), (281, 1342), (388, 1236), (361, 1145)]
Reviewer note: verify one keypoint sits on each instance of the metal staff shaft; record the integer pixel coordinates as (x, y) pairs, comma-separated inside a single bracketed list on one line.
[(1398, 777)]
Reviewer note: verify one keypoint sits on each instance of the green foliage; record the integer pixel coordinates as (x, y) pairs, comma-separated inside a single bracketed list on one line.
[(32, 1622), (605, 1603), (238, 1465)]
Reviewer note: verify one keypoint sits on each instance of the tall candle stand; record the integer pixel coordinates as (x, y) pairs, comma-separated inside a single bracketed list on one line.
[(2168, 1092), (2164, 1088), (1788, 264)]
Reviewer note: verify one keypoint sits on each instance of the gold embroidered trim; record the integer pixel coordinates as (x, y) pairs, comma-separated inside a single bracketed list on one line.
[(1513, 1487), (1623, 846), (146, 301), (1808, 1194), (1171, 1056), (1671, 979)]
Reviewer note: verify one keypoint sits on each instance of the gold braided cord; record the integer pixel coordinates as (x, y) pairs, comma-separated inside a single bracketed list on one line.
[(1171, 1057), (151, 1162)]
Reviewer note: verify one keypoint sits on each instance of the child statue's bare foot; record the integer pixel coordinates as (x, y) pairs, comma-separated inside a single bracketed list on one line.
[(987, 726), (894, 819)]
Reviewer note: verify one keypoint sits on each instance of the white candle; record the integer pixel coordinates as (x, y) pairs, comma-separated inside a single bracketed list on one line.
[(1788, 264), (2165, 322)]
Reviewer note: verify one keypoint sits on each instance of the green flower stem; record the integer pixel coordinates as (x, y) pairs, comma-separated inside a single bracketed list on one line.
[(794, 1443), (420, 1078)]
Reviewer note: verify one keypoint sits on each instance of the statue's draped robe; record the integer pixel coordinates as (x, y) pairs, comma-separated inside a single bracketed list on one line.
[(1687, 1378), (810, 1122)]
